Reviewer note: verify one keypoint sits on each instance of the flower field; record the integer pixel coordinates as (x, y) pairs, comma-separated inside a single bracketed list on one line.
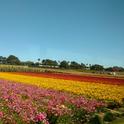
[(56, 99), (86, 78)]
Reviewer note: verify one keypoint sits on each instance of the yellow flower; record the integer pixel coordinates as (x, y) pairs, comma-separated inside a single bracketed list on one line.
[(94, 90)]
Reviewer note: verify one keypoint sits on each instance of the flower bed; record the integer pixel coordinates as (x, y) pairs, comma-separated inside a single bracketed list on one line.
[(87, 78), (21, 103), (93, 90)]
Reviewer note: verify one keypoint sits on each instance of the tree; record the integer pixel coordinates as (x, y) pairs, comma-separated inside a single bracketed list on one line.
[(49, 62), (118, 69), (13, 60), (83, 66), (97, 67), (38, 60), (29, 63), (64, 64), (115, 69), (75, 65), (38, 63), (2, 60), (109, 69)]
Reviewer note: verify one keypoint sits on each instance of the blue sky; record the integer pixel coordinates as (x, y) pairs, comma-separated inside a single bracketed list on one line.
[(89, 31)]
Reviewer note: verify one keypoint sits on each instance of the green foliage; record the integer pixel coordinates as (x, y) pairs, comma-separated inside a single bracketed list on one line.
[(109, 117), (24, 96), (118, 121), (13, 60), (64, 64), (80, 116), (96, 120), (1, 122), (75, 65), (15, 68), (52, 119), (115, 68), (49, 62), (2, 60), (17, 118), (29, 63), (65, 119), (97, 67), (113, 104), (83, 66)]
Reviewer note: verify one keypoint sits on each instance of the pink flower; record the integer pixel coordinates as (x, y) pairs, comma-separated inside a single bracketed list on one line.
[(1, 114), (40, 117)]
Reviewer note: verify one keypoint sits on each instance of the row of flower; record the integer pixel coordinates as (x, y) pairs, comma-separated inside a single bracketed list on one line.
[(91, 90), (21, 103), (87, 78)]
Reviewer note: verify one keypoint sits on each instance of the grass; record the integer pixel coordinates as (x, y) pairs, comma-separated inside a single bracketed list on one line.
[(118, 121)]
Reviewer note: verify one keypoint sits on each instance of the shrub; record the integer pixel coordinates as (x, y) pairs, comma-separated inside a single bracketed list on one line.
[(80, 116), (52, 118), (113, 104), (108, 117), (96, 120)]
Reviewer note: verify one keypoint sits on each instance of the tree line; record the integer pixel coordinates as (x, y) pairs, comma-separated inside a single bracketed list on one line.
[(13, 60)]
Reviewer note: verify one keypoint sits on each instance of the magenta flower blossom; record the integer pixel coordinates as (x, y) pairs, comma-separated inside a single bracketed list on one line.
[(28, 100), (1, 114), (41, 117)]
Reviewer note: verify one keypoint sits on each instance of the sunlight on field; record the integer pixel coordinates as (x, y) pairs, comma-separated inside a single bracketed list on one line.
[(94, 90)]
